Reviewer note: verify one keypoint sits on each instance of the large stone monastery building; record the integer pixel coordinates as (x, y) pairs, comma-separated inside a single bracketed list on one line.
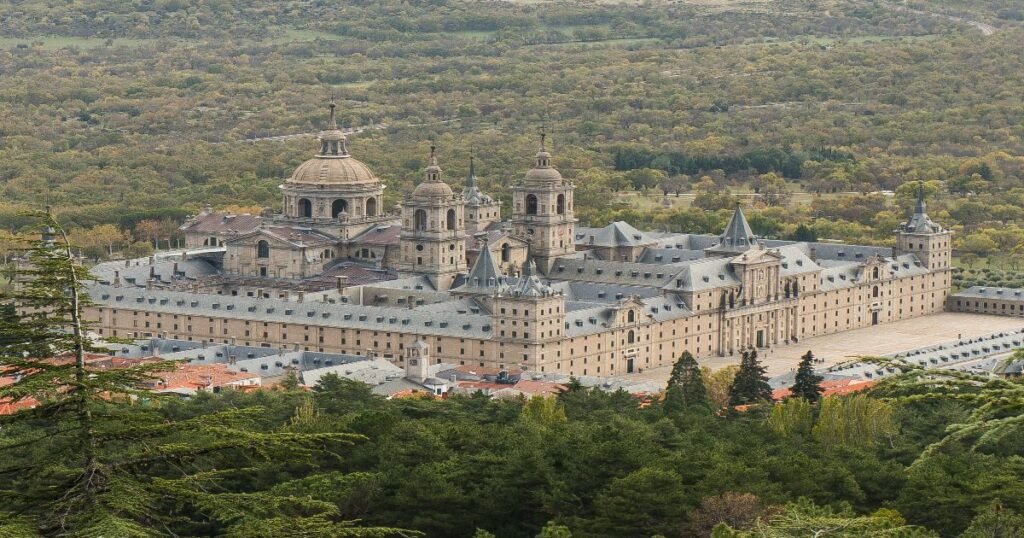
[(336, 273)]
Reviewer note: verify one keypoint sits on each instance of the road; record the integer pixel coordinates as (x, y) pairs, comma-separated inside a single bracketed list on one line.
[(985, 29)]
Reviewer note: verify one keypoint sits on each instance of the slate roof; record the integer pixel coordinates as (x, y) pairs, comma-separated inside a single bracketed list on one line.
[(384, 235), (485, 276), (986, 292), (336, 314), (737, 237), (221, 224), (616, 234)]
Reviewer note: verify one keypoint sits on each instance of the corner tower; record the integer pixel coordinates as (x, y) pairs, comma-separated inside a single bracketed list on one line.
[(433, 237), (542, 211), (925, 239)]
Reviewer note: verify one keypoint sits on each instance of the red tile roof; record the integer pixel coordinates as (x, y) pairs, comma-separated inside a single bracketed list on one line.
[(832, 387)]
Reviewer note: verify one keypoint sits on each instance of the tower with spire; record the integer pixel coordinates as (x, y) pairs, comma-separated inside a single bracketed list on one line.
[(737, 237), (433, 236), (922, 237), (482, 211), (529, 320), (542, 210)]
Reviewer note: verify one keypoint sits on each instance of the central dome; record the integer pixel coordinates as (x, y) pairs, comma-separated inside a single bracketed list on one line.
[(332, 170)]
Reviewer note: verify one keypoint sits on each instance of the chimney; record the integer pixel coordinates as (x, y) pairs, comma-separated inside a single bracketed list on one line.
[(325, 297), (814, 254), (232, 359), (175, 271), (127, 263), (342, 282), (259, 293), (152, 271), (300, 297), (184, 255), (412, 301), (117, 278), (149, 284), (152, 260)]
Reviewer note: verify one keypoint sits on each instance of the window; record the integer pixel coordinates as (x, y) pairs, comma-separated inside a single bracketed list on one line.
[(874, 292), (450, 220), (371, 207), (560, 204), (337, 207), (506, 252), (630, 337), (631, 317), (420, 218), (305, 208), (531, 204), (262, 249)]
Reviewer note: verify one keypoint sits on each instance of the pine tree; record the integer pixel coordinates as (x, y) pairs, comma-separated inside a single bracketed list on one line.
[(751, 384), (807, 384), (685, 388), (87, 461)]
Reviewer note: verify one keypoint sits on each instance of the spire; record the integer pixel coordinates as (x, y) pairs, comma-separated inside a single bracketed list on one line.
[(920, 222), (737, 237), (332, 140), (543, 157), (433, 170), (333, 123), (486, 273), (471, 176), (919, 210)]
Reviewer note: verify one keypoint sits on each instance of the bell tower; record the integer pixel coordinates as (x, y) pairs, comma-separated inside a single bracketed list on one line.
[(924, 238), (542, 211), (433, 237)]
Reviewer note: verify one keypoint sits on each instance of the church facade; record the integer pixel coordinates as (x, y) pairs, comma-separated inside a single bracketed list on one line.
[(335, 272)]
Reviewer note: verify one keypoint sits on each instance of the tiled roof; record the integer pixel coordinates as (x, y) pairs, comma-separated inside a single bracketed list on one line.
[(222, 223)]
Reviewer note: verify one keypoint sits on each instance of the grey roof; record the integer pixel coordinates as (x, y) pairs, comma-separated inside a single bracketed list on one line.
[(342, 315), (624, 273), (616, 234), (704, 274), (529, 285), (737, 237), (985, 292), (669, 256), (485, 275), (833, 251), (919, 222), (470, 192), (221, 223), (164, 269)]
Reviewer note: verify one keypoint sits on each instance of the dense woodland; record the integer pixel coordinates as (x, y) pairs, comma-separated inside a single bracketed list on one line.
[(127, 117)]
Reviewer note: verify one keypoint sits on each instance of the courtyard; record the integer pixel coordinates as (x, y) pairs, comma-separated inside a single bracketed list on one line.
[(872, 341)]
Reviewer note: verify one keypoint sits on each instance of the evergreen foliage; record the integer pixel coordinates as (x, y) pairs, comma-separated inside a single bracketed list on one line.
[(686, 390), (96, 457), (751, 383), (807, 384)]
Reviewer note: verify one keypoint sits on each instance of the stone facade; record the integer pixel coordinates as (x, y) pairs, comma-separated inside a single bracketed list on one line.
[(536, 292)]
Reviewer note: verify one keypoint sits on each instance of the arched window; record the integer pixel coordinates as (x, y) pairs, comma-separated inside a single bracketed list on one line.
[(450, 220), (531, 204), (787, 289), (560, 204), (874, 292), (630, 337), (874, 273), (631, 316), (305, 208), (262, 249), (371, 207), (420, 218), (337, 207), (506, 252)]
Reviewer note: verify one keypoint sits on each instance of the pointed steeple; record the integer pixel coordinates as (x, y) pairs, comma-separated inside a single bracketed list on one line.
[(486, 273), (737, 237), (920, 222), (529, 284), (471, 176)]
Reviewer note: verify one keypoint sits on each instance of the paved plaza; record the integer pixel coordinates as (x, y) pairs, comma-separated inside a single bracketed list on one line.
[(872, 341)]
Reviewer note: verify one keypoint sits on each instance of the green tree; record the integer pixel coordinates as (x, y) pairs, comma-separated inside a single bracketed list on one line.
[(795, 416), (807, 384), (686, 386), (996, 522), (84, 461), (751, 384)]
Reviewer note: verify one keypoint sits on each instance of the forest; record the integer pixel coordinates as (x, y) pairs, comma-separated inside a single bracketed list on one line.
[(921, 454), (127, 118)]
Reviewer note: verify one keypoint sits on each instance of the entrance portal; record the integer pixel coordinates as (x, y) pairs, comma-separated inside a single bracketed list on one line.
[(760, 338), (874, 318), (629, 366)]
